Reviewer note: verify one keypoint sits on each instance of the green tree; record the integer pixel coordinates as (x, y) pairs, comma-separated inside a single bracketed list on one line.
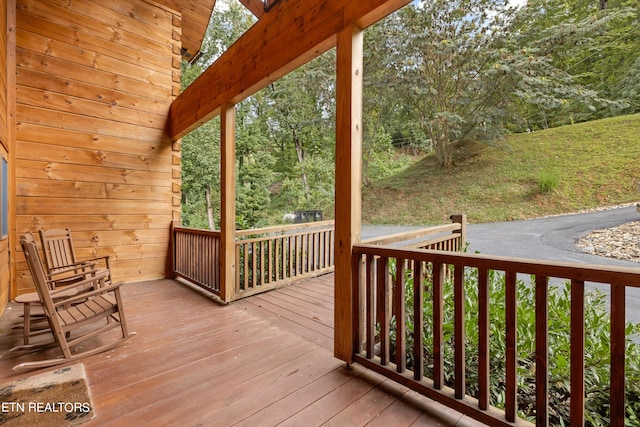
[(201, 148), (201, 176), (388, 128), (446, 58), (594, 49), (471, 69), (301, 125)]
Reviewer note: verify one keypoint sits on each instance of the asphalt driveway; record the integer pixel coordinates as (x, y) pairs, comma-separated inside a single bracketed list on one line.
[(552, 238)]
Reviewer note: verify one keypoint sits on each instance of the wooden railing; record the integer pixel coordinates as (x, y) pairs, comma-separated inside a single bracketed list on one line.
[(266, 258), (447, 237), (384, 275), (196, 257), (271, 257)]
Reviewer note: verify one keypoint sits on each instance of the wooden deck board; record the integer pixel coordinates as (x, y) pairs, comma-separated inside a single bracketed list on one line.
[(263, 361)]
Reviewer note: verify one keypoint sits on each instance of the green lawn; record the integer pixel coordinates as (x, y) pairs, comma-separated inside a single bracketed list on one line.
[(594, 164)]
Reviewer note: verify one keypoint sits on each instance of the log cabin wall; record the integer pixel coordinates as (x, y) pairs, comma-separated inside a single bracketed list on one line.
[(95, 80), (7, 138)]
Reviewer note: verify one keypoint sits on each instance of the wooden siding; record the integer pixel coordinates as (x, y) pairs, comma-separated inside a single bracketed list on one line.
[(95, 81), (4, 140), (4, 107), (7, 132)]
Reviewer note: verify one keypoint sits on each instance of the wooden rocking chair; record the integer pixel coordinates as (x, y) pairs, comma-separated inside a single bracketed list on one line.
[(98, 302), (60, 255), (61, 262)]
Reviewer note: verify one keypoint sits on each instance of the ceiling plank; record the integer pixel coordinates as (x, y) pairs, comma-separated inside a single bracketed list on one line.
[(291, 34), (255, 6)]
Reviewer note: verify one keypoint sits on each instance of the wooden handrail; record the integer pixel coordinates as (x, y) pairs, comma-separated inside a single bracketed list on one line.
[(411, 234), (284, 228), (197, 231), (587, 272)]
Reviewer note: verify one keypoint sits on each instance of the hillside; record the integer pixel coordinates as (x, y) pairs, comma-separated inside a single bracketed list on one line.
[(595, 164)]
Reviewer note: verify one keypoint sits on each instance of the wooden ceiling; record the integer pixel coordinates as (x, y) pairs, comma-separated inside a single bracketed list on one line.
[(195, 18)]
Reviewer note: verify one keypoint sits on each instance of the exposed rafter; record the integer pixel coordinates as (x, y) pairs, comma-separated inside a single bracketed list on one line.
[(255, 6), (291, 34)]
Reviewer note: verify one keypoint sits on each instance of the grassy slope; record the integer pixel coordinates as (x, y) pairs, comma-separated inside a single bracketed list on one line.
[(598, 164)]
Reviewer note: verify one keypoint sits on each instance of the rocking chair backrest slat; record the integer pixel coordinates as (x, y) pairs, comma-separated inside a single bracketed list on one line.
[(58, 248), (37, 271)]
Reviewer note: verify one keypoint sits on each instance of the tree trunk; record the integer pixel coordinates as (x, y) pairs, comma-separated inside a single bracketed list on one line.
[(212, 224), (300, 153)]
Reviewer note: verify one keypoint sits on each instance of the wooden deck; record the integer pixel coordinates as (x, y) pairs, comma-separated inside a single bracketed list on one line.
[(263, 361)]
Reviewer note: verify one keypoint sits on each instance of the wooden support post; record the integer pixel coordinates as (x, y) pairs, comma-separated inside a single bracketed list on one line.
[(228, 202), (348, 182), (462, 220)]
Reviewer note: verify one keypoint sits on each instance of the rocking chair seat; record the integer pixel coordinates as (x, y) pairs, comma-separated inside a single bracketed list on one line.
[(30, 319)]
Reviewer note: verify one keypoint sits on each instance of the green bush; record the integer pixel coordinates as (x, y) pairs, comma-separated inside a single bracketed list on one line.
[(548, 181), (559, 303)]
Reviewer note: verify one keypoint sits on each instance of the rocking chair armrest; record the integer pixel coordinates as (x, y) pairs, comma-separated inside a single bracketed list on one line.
[(73, 276), (109, 288), (79, 268), (94, 277), (103, 258)]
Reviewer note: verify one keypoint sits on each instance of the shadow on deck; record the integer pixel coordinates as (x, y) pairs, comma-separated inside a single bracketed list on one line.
[(262, 361)]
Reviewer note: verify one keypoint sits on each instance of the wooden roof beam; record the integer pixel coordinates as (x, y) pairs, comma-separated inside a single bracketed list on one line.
[(291, 34), (255, 6)]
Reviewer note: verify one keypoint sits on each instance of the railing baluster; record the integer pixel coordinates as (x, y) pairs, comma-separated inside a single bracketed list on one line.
[(383, 307), (399, 308), (258, 279), (459, 331), (577, 352), (272, 247), (310, 255), (278, 259), (370, 305), (327, 248), (238, 272), (247, 272), (438, 325), (286, 260), (317, 251), (304, 254), (418, 320), (216, 264), (292, 255), (511, 367), (542, 352), (254, 264), (618, 346), (483, 339), (359, 302)]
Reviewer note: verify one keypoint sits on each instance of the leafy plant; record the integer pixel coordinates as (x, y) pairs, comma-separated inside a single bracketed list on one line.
[(597, 340), (548, 181)]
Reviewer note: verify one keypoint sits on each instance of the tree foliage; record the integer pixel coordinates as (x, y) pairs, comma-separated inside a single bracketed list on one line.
[(437, 74)]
